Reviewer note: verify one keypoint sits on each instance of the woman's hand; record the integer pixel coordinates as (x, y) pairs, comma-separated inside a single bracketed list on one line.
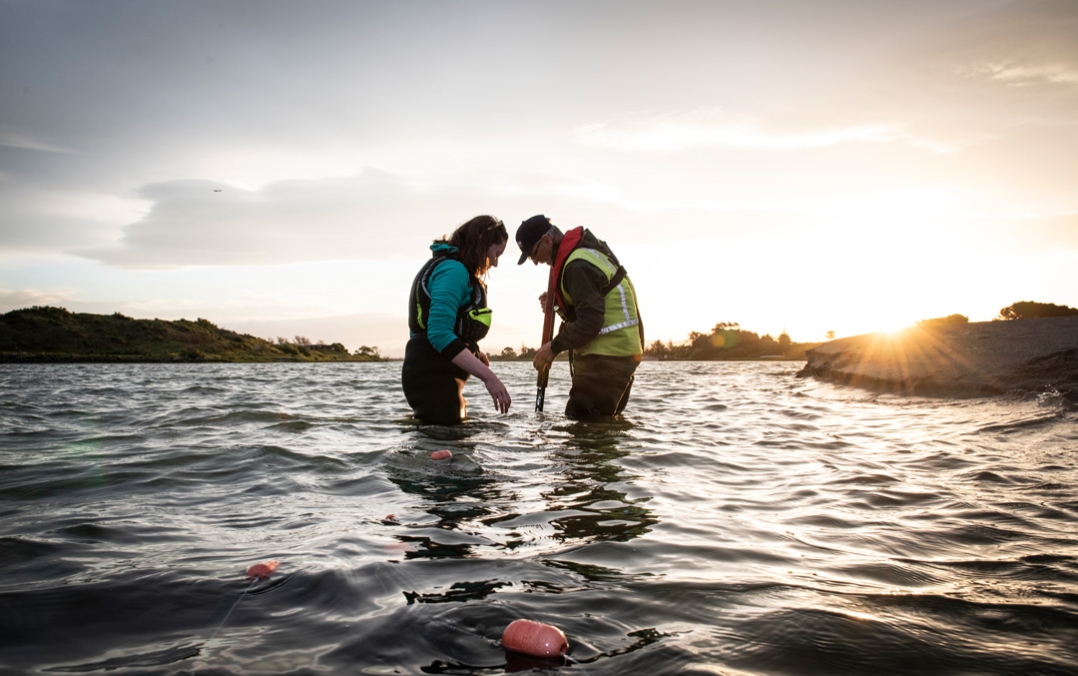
[(498, 393), (483, 358), (477, 365)]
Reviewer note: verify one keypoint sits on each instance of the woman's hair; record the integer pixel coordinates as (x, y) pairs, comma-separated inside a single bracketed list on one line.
[(474, 239)]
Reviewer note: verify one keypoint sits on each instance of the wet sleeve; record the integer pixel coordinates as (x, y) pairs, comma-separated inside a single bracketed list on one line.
[(449, 289), (584, 282)]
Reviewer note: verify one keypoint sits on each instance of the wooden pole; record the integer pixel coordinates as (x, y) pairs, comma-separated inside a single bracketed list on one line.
[(548, 335)]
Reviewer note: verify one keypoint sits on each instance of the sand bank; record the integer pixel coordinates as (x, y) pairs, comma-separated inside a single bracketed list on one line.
[(965, 360)]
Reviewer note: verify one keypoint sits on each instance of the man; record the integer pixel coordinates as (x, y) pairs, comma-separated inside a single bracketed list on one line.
[(600, 319)]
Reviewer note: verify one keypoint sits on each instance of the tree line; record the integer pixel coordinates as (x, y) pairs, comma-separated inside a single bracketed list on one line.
[(1026, 309), (728, 341)]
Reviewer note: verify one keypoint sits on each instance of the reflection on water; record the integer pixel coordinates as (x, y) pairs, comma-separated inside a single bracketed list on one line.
[(471, 509), (589, 484), (737, 520)]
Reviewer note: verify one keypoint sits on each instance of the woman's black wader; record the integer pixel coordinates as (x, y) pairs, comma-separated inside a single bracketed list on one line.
[(432, 383)]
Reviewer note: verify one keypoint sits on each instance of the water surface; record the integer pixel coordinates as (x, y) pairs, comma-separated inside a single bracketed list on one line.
[(738, 520)]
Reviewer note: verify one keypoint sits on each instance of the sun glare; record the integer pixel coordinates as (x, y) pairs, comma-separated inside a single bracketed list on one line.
[(895, 328)]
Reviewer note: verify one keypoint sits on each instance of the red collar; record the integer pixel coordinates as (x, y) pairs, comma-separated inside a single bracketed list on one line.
[(569, 242)]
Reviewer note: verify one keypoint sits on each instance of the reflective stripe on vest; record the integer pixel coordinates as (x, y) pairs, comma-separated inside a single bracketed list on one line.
[(619, 313)]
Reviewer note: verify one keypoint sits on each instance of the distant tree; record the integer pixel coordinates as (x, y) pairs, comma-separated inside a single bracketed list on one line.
[(527, 352), (368, 351), (48, 309), (728, 341), (657, 350), (949, 320), (1028, 309), (508, 353), (303, 340), (281, 340)]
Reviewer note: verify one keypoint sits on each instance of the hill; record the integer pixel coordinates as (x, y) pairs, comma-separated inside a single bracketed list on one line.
[(955, 359), (53, 334)]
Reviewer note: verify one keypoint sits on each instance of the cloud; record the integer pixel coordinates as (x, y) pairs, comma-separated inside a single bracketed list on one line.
[(207, 223), (23, 298), (977, 80), (705, 127), (1026, 45), (1023, 75), (378, 216), (962, 85), (372, 215), (47, 221), (12, 139)]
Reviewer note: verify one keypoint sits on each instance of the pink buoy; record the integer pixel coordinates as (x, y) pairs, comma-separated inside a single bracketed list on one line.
[(535, 639), (441, 455), (262, 570)]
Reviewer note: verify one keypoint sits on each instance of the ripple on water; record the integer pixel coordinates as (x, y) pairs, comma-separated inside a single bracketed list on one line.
[(738, 519)]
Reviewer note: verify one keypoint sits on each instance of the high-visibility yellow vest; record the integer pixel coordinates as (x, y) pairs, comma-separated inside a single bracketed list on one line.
[(620, 335)]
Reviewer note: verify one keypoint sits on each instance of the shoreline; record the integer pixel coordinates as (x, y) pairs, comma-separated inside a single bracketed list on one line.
[(120, 359), (959, 360)]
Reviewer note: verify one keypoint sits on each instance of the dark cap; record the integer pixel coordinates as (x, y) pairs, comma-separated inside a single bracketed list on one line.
[(530, 232)]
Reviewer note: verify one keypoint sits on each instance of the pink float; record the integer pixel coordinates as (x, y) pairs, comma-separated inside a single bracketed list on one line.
[(262, 570), (535, 639)]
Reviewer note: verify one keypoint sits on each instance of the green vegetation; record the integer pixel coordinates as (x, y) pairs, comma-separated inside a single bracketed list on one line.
[(509, 354), (52, 334), (1028, 309), (729, 342), (949, 320)]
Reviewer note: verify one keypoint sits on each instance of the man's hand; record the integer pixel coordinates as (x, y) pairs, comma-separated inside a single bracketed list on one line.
[(544, 357)]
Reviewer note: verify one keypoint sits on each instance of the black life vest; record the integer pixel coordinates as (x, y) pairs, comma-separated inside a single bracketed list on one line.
[(473, 318)]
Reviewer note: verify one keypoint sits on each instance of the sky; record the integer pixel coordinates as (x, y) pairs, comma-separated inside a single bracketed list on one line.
[(280, 168)]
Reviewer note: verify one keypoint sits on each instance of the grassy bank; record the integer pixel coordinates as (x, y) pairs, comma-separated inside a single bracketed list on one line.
[(53, 334)]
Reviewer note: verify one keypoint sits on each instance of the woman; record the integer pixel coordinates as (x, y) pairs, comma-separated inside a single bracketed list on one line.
[(447, 317)]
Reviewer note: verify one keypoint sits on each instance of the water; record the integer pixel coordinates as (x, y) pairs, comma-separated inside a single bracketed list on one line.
[(739, 520)]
